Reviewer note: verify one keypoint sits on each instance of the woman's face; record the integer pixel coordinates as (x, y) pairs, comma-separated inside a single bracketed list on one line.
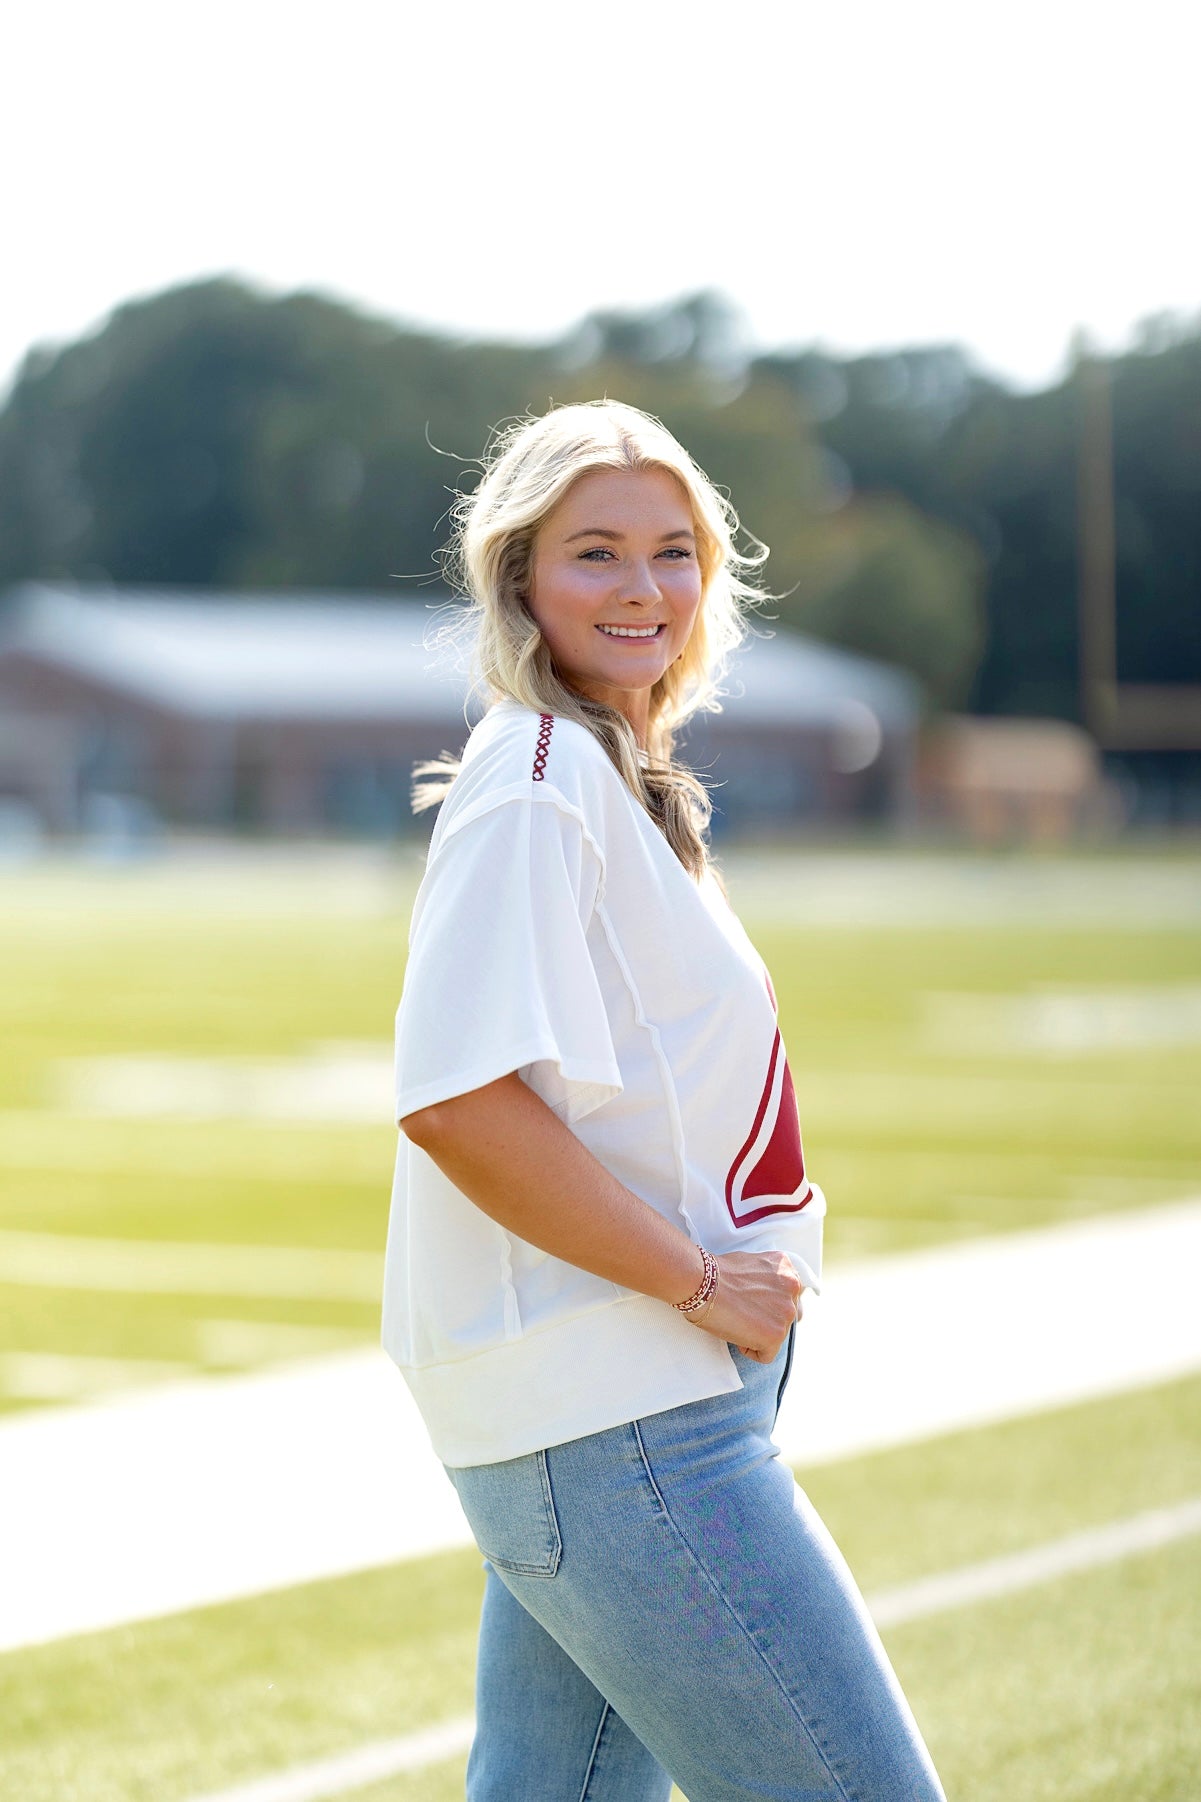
[(615, 585)]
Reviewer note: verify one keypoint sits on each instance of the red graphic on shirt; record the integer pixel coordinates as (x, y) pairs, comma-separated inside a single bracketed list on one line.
[(771, 1160)]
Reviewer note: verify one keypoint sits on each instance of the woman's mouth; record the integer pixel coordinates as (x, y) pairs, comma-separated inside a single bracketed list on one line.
[(632, 631)]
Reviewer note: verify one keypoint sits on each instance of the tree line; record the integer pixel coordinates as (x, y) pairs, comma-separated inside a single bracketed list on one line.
[(917, 510)]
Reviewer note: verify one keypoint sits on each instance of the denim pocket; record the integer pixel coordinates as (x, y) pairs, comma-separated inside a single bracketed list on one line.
[(511, 1512)]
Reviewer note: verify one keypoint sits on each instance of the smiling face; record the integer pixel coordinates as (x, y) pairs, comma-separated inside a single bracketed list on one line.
[(615, 585)]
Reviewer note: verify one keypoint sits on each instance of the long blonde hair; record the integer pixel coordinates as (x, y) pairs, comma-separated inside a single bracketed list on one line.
[(528, 468)]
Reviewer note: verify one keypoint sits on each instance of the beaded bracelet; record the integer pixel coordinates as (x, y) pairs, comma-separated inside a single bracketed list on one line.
[(703, 1298)]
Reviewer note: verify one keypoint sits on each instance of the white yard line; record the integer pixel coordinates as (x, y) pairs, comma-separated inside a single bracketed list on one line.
[(862, 888), (819, 886), (324, 1082), (63, 1376), (1065, 1022), (179, 1267), (158, 1502), (348, 1771), (1087, 1550), (355, 1770), (216, 1345)]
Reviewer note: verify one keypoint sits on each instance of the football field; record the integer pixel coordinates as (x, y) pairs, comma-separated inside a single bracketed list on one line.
[(195, 1155)]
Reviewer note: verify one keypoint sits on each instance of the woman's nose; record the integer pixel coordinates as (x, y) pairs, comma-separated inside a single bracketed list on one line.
[(638, 584)]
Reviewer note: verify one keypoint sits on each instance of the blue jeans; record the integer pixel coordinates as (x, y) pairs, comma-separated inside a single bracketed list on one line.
[(663, 1602)]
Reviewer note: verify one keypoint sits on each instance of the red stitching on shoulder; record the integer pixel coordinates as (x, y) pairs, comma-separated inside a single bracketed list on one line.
[(540, 754)]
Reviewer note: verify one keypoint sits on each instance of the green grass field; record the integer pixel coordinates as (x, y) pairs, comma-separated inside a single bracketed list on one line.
[(940, 1099)]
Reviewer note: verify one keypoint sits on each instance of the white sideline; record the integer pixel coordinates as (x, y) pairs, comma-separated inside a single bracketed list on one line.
[(906, 1347), (1004, 1576), (193, 1493), (347, 1771), (353, 1770)]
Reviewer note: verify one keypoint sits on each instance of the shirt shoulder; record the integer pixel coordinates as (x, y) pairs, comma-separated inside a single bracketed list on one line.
[(516, 755)]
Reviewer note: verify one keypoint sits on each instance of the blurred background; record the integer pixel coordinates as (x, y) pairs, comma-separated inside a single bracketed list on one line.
[(917, 290)]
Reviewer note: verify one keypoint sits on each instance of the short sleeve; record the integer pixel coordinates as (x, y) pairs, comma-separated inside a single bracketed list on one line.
[(500, 976)]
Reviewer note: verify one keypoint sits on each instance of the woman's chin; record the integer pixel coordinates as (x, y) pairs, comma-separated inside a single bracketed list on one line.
[(635, 675)]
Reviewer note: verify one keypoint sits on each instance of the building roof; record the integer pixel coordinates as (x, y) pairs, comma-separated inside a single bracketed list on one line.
[(325, 656), (332, 656), (783, 677)]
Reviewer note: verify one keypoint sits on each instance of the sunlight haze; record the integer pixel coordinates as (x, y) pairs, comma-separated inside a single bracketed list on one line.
[(863, 177)]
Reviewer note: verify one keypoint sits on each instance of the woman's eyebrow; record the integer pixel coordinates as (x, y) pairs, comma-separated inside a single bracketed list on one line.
[(602, 532)]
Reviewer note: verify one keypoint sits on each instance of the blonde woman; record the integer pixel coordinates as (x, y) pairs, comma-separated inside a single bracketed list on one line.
[(602, 1226)]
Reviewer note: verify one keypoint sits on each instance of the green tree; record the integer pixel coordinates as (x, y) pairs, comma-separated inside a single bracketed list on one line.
[(883, 580), (916, 510)]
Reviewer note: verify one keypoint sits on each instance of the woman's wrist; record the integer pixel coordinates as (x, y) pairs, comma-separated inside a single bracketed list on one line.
[(697, 1305)]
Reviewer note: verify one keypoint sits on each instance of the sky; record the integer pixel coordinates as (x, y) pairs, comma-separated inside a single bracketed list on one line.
[(855, 175)]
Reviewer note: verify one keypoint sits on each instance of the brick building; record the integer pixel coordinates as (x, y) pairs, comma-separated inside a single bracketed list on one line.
[(304, 714)]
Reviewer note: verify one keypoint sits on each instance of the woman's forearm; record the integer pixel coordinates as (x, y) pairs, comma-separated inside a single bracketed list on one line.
[(504, 1149), (510, 1154)]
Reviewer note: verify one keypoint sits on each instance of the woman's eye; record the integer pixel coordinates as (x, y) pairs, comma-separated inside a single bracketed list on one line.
[(677, 552)]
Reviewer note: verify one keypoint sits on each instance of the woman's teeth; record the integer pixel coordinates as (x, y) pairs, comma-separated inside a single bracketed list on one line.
[(630, 631)]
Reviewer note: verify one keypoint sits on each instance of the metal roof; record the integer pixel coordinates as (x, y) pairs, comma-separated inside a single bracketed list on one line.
[(781, 677), (326, 656), (333, 656)]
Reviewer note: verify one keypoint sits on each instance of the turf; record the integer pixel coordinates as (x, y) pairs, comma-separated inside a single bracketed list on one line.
[(1082, 1691), (441, 1783), (165, 1709), (1074, 1691), (913, 1140), (170, 1708), (1046, 1697)]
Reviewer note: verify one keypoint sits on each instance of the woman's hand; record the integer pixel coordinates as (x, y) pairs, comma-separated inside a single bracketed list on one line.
[(757, 1302), (502, 1147)]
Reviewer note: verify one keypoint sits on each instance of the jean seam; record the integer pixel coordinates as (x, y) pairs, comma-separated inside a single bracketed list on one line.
[(742, 1628), (606, 1711), (552, 1515), (523, 1570)]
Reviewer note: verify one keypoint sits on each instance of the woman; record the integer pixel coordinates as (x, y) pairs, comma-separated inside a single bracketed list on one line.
[(602, 1227)]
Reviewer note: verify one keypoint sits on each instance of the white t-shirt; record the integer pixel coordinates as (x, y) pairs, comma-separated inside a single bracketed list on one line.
[(556, 933)]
